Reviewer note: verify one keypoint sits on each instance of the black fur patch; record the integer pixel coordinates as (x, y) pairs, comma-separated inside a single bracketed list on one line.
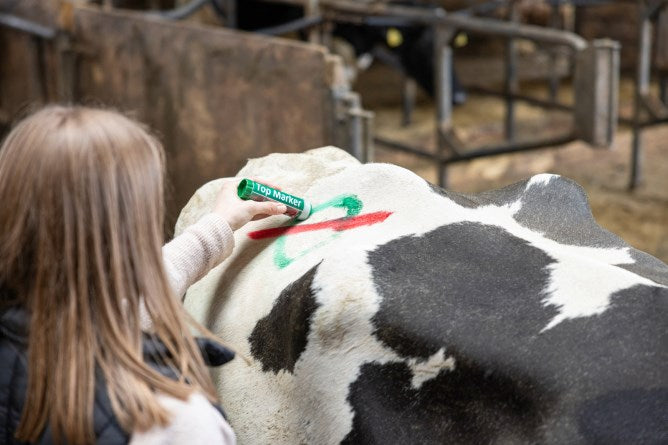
[(477, 291), (452, 283), (466, 406), (279, 338)]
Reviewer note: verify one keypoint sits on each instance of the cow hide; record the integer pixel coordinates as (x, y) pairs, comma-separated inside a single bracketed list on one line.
[(403, 313)]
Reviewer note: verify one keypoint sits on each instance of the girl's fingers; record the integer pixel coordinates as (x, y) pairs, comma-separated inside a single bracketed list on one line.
[(268, 208)]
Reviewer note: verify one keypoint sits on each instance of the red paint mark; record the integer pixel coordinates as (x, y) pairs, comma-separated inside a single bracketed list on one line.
[(335, 224)]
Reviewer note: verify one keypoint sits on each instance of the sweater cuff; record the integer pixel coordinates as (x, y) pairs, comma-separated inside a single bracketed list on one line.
[(202, 246)]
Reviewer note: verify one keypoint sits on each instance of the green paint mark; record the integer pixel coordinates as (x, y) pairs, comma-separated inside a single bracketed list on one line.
[(351, 203), (353, 206), (281, 260)]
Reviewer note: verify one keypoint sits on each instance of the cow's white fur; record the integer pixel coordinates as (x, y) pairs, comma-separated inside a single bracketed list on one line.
[(424, 370), (309, 405)]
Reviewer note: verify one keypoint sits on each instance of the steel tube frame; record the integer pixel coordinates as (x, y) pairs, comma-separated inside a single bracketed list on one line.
[(481, 152), (445, 25), (511, 82), (647, 11), (27, 26)]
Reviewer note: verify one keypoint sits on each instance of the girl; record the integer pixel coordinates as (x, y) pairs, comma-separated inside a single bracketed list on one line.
[(81, 265)]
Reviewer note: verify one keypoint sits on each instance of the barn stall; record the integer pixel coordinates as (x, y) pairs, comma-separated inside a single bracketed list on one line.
[(219, 96), (260, 105)]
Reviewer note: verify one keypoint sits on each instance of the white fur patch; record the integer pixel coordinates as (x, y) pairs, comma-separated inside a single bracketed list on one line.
[(424, 370), (542, 179)]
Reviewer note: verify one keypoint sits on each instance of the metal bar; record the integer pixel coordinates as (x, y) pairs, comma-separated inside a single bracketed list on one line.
[(20, 24), (408, 94), (511, 82), (295, 25), (353, 116), (443, 92), (406, 148), (653, 8), (461, 22), (40, 69), (512, 148), (226, 10), (491, 150), (312, 9), (641, 88), (481, 8), (67, 60), (653, 123), (368, 136), (524, 98), (555, 22), (181, 12)]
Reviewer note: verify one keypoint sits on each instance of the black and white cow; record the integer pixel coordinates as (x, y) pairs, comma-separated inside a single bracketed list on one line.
[(404, 46), (402, 313)]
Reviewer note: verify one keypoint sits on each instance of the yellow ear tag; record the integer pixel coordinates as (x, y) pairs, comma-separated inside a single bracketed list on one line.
[(461, 40), (394, 38)]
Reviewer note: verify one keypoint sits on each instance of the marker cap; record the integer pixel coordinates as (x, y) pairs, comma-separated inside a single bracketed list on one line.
[(245, 188), (306, 212)]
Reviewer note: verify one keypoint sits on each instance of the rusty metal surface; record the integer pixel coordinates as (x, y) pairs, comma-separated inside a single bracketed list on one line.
[(662, 40), (44, 12), (217, 97)]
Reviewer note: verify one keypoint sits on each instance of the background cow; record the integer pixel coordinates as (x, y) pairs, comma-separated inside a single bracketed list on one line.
[(403, 313)]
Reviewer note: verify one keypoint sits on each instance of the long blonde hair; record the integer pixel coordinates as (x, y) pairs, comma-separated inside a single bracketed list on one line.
[(81, 231)]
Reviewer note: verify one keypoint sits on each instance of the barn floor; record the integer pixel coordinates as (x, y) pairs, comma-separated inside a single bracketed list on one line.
[(640, 217)]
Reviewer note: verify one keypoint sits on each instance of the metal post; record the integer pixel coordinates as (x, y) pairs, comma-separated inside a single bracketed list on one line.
[(67, 65), (511, 84), (312, 9), (40, 77), (352, 116), (408, 94), (662, 53), (369, 151), (443, 91), (641, 89), (596, 86), (231, 13), (555, 22)]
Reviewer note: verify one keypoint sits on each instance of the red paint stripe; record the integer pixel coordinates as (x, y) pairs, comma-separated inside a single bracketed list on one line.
[(335, 224)]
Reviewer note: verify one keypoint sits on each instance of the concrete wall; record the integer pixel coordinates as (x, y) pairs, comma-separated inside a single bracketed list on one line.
[(217, 97)]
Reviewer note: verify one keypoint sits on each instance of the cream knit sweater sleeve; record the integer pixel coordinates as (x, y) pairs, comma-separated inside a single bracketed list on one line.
[(191, 255)]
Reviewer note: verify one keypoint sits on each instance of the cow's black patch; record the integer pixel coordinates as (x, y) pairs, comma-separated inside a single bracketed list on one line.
[(647, 266), (279, 338), (560, 210), (477, 291), (467, 405), (626, 416), (459, 198), (454, 282)]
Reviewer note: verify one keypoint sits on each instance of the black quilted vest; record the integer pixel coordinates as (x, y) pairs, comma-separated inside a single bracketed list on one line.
[(13, 380)]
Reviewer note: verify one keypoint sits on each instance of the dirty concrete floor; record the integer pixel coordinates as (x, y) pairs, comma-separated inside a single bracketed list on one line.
[(640, 217)]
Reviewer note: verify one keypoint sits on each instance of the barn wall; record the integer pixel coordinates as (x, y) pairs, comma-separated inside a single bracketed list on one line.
[(216, 97), (20, 82)]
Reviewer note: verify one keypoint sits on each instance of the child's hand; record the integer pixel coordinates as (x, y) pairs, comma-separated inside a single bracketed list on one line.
[(238, 212)]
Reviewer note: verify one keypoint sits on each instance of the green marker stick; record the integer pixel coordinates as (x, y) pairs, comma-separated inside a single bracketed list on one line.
[(297, 207)]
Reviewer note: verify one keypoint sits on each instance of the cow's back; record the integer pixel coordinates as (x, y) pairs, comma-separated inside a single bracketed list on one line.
[(402, 313)]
